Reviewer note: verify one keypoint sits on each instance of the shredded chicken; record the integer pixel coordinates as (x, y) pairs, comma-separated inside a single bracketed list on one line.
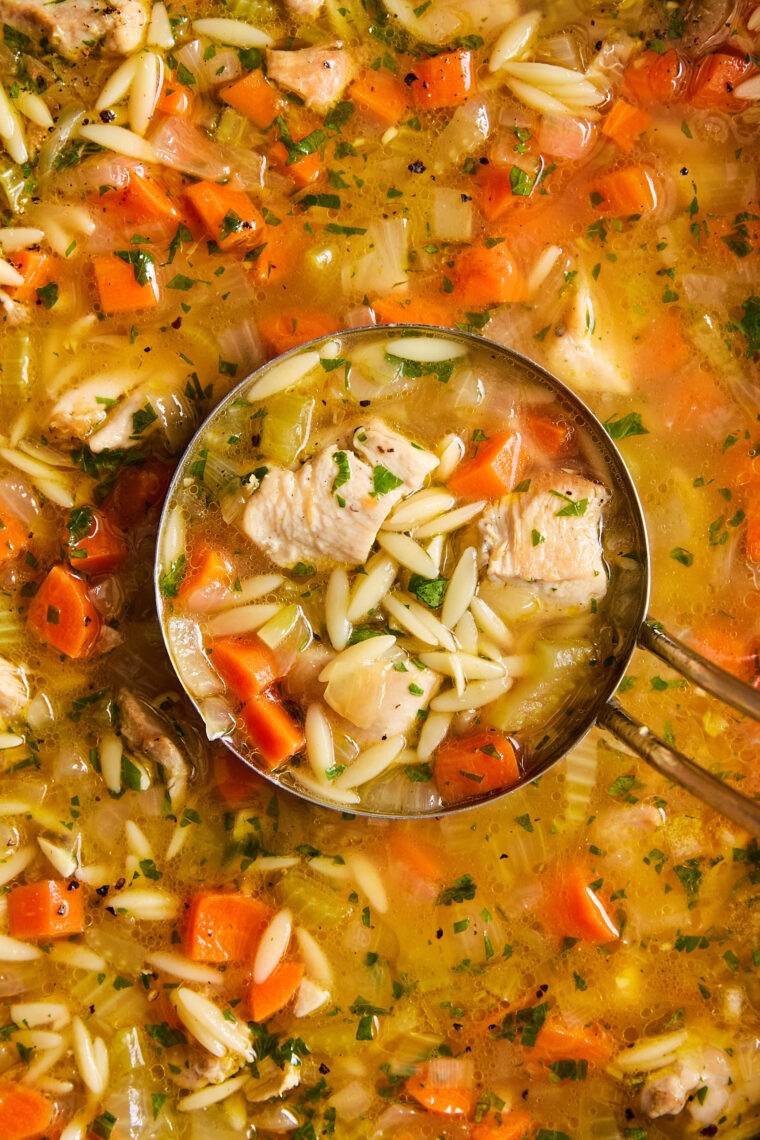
[(271, 1081), (303, 7), (197, 1070), (144, 731), (14, 691), (668, 1093), (75, 25), (318, 74)]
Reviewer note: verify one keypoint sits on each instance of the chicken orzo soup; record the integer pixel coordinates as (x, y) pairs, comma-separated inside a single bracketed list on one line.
[(189, 189)]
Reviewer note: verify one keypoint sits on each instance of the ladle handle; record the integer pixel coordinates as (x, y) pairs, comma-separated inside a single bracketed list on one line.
[(696, 668), (673, 764)]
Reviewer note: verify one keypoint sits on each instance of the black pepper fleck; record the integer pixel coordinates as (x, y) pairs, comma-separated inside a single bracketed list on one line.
[(416, 167)]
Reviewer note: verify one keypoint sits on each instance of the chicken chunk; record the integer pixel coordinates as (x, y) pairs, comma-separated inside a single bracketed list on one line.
[(192, 1070), (381, 446), (145, 731), (14, 691), (705, 1067), (308, 514), (318, 74), (379, 699), (303, 7), (582, 354), (85, 406), (73, 26), (271, 1081), (549, 535)]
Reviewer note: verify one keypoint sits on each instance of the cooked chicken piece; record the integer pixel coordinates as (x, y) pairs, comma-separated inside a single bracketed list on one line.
[(396, 697), (318, 74), (303, 515), (581, 354), (85, 406), (382, 447), (303, 7), (14, 691), (197, 1070), (707, 1067), (74, 25), (145, 731), (271, 1081), (550, 535), (302, 680)]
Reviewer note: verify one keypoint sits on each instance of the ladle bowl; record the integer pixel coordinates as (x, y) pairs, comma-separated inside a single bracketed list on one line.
[(627, 626)]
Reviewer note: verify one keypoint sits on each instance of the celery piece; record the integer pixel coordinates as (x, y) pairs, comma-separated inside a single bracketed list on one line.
[(16, 371), (537, 695), (127, 1051), (14, 186), (286, 427), (315, 902), (288, 625), (232, 127), (11, 627)]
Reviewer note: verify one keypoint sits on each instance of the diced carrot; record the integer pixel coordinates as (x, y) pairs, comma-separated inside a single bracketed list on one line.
[(752, 534), (417, 857), (37, 270), (235, 779), (652, 77), (712, 84), (574, 910), (254, 97), (552, 433), (229, 216), (412, 311), (277, 256), (471, 765), (693, 401), (662, 349), (146, 199), (494, 191), (245, 664), (51, 908), (444, 80), (271, 729), (265, 999), (14, 537), (176, 99), (493, 471), (453, 1101), (209, 574), (628, 190), (513, 1125), (305, 170), (62, 613), (118, 288), (225, 927), (381, 94), (488, 276), (288, 329), (137, 490), (625, 123), (558, 1042), (727, 644), (101, 550), (562, 136), (24, 1112)]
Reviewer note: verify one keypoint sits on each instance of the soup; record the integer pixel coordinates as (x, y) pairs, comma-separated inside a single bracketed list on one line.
[(185, 949), (432, 599)]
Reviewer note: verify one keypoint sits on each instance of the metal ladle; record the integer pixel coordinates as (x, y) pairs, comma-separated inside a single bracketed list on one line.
[(630, 624)]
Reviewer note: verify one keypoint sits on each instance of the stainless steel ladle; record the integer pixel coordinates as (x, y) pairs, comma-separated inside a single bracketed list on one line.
[(629, 625)]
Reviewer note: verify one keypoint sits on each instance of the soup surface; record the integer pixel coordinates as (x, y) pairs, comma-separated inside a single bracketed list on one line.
[(186, 949)]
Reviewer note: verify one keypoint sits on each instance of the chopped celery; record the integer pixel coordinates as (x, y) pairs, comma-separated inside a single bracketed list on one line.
[(253, 10), (288, 627), (11, 627), (286, 427), (127, 1051), (16, 368), (536, 696), (232, 127), (14, 186), (314, 901)]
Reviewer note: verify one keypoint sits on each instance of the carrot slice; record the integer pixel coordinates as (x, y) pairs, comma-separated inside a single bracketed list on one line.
[(62, 613), (235, 779), (552, 435), (488, 276), (24, 1112), (265, 999), (271, 729), (101, 549), (303, 171), (575, 910), (417, 857), (444, 80), (118, 288), (277, 256), (625, 123), (628, 190), (662, 349), (481, 762), (37, 270), (254, 97), (493, 471), (558, 1042), (136, 491), (284, 330), (652, 77), (14, 537), (245, 664), (229, 216), (413, 311), (380, 94), (176, 99), (494, 192), (51, 908), (712, 85), (225, 927), (208, 574), (146, 199), (752, 533), (513, 1125), (452, 1101)]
